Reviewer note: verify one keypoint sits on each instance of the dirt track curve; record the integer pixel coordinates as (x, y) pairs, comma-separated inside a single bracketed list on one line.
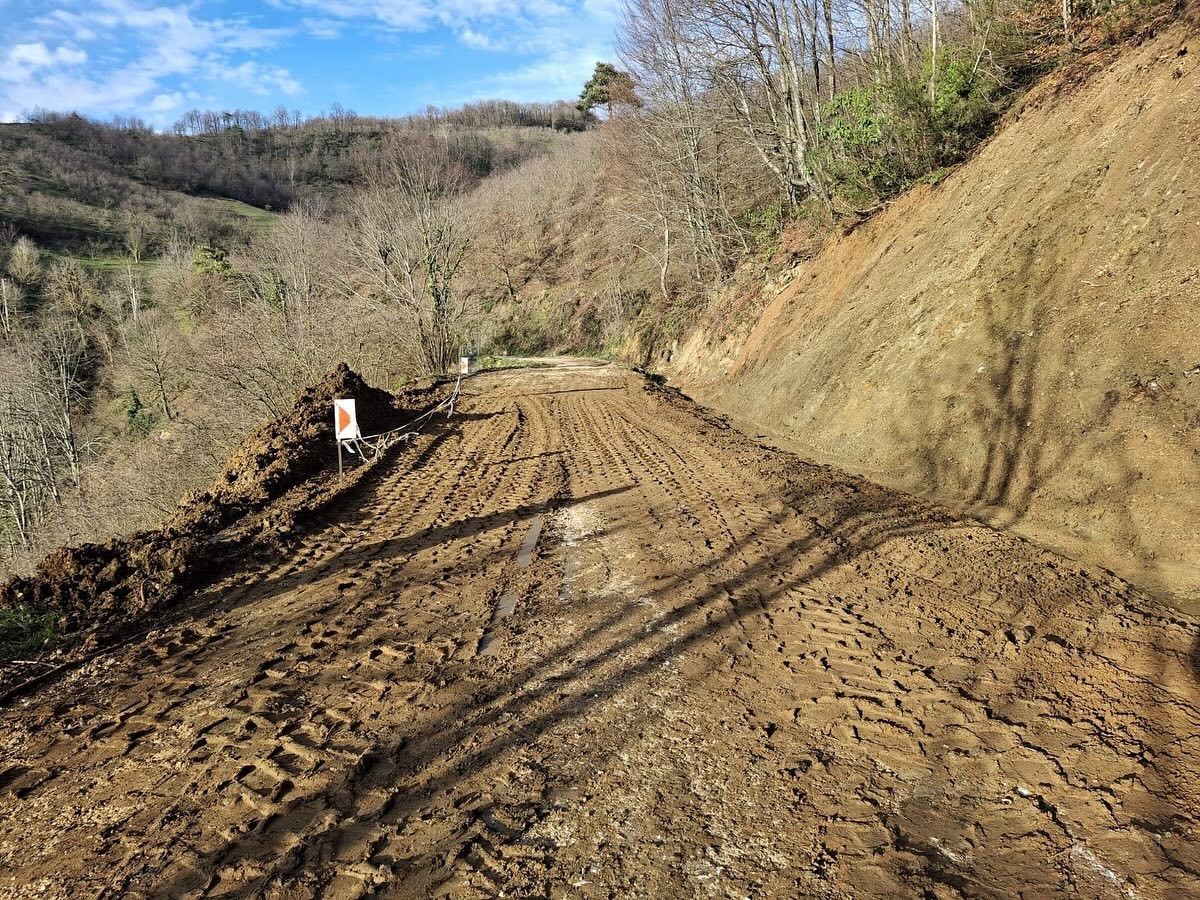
[(586, 641)]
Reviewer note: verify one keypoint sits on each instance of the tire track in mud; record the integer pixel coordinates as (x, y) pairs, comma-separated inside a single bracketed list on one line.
[(329, 608), (347, 828), (873, 707), (726, 672)]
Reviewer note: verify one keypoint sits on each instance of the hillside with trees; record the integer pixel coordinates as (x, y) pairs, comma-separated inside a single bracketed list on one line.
[(820, 516), (151, 281), (154, 280), (72, 183)]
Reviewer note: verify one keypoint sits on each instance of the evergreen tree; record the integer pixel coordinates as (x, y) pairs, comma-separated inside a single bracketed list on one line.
[(607, 86)]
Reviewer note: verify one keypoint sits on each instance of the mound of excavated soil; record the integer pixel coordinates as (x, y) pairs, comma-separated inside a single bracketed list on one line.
[(113, 582), (1018, 342), (109, 585), (288, 451)]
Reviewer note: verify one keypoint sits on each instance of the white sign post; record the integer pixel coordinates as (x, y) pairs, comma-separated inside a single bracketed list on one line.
[(464, 365), (345, 426)]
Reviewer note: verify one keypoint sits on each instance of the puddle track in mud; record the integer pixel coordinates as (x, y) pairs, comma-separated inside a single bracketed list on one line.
[(506, 603)]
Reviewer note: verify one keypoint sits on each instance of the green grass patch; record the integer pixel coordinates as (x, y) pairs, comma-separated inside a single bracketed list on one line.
[(25, 630), (257, 217)]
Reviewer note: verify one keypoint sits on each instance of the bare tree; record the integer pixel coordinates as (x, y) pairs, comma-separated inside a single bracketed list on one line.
[(61, 364), (290, 265), (10, 307), (410, 242), (933, 51), (151, 359), (24, 262), (23, 482), (137, 233)]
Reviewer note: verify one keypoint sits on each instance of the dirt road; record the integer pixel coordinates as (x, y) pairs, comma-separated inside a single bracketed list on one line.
[(586, 641)]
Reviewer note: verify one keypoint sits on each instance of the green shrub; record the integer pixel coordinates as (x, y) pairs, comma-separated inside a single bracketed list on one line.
[(876, 141), (138, 419), (868, 148), (764, 223), (522, 335), (24, 629), (209, 260), (964, 103)]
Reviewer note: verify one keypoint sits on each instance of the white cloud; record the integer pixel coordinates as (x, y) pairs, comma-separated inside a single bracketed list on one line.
[(166, 102), (24, 59), (546, 33), (322, 28), (29, 56), (146, 54), (260, 78), (476, 40), (526, 26), (557, 75)]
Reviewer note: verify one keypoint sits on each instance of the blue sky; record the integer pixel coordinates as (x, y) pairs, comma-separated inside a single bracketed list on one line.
[(156, 60)]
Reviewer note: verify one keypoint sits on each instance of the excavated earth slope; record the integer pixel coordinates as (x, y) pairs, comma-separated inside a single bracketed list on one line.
[(1020, 340), (275, 477), (586, 640)]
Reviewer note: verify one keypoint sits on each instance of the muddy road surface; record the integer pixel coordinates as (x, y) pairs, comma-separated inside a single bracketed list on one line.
[(585, 640)]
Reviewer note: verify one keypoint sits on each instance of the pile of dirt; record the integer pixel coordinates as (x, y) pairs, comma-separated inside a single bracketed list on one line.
[(105, 587), (110, 583), (1017, 342), (290, 450)]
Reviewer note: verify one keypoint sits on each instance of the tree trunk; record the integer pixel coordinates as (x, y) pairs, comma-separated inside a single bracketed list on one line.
[(933, 60)]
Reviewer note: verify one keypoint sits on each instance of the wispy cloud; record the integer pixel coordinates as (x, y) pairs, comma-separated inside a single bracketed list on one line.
[(23, 60), (322, 28), (555, 43), (512, 26), (259, 78), (143, 54)]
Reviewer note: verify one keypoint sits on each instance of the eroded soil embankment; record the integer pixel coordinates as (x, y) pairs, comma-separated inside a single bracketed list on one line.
[(725, 671), (1018, 341), (277, 476)]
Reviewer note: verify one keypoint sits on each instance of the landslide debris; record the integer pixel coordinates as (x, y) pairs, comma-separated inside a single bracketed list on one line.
[(105, 588)]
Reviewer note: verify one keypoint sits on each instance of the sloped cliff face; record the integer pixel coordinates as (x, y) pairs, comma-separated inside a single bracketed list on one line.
[(1022, 340)]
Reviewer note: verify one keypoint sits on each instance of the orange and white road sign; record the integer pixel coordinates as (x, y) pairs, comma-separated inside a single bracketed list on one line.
[(345, 420)]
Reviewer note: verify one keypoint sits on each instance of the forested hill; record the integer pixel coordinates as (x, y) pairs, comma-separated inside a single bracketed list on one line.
[(78, 185)]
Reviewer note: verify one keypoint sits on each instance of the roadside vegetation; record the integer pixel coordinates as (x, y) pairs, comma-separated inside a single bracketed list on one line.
[(26, 631)]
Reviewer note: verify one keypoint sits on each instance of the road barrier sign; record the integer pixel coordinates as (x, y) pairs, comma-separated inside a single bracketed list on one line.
[(345, 427), (345, 420)]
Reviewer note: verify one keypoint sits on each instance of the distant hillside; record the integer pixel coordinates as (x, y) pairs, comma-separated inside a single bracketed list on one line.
[(76, 185)]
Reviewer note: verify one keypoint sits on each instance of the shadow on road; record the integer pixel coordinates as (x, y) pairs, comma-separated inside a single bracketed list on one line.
[(866, 521)]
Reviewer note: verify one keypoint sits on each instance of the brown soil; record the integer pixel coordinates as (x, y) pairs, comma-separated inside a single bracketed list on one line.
[(1018, 341), (101, 590), (587, 640)]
